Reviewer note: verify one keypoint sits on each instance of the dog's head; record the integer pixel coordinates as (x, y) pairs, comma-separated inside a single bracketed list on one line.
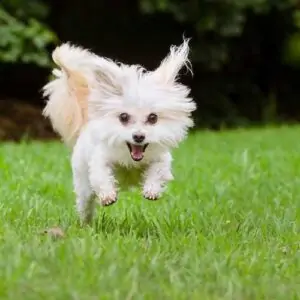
[(136, 108)]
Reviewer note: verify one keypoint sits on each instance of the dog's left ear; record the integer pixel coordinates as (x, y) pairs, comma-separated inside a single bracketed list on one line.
[(169, 68)]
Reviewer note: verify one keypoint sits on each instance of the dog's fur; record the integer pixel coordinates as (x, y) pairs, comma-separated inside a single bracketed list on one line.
[(85, 102)]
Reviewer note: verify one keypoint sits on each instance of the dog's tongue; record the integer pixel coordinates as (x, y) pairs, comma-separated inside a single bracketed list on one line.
[(137, 152)]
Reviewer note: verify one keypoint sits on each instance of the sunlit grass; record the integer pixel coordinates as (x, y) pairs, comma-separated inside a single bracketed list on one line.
[(227, 228)]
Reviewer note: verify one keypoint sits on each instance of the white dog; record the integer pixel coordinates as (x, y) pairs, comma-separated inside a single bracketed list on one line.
[(117, 116)]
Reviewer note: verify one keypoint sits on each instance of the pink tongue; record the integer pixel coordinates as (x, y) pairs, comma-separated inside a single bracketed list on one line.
[(137, 152)]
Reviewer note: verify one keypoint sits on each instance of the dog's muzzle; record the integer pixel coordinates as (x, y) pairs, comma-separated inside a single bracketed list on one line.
[(137, 151)]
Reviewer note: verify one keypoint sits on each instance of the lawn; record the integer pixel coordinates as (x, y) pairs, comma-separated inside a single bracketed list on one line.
[(227, 228)]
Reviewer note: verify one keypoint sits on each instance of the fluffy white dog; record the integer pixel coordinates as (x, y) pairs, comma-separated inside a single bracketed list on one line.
[(117, 116)]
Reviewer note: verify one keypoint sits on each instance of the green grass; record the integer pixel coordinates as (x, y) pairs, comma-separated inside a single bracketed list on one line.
[(227, 228)]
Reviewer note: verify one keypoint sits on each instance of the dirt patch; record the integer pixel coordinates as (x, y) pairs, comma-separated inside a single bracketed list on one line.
[(20, 119)]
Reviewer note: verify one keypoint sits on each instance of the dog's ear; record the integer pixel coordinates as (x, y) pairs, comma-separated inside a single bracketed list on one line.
[(108, 77), (169, 68), (85, 69)]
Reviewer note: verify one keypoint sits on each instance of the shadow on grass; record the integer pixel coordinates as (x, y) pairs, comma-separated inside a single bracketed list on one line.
[(138, 226), (143, 226)]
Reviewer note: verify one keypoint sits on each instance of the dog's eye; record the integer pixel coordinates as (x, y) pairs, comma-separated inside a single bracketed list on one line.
[(124, 118), (152, 118)]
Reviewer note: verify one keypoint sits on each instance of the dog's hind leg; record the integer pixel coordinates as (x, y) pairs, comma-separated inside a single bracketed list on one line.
[(85, 200)]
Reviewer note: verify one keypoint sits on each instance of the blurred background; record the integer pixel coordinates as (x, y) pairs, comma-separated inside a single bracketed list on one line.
[(245, 54)]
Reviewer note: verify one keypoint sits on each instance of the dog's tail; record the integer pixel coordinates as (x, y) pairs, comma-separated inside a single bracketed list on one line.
[(67, 104)]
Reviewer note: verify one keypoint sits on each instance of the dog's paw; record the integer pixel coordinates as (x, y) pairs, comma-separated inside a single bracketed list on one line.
[(108, 199), (151, 194)]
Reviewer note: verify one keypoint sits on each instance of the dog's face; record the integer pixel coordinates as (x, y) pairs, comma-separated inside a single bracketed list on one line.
[(136, 109), (137, 130)]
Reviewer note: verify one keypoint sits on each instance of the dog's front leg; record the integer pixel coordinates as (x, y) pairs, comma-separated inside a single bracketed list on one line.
[(102, 179), (157, 175)]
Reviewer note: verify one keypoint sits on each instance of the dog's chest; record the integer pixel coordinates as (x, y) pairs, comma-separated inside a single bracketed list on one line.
[(128, 177)]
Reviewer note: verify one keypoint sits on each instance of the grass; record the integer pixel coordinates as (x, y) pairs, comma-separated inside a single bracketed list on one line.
[(228, 227)]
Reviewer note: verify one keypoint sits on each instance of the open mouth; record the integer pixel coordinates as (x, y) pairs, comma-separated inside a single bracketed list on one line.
[(137, 151)]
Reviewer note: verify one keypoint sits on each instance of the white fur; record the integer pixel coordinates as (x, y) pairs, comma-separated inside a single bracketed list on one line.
[(84, 103)]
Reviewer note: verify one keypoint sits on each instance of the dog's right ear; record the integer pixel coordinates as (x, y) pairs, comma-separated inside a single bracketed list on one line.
[(108, 77), (85, 68)]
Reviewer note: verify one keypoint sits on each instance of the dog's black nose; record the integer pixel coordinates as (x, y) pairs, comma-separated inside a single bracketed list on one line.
[(138, 138)]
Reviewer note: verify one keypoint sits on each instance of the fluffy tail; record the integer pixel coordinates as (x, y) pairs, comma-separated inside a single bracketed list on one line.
[(67, 104)]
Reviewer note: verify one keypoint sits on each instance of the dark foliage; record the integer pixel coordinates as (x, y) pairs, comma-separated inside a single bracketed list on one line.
[(245, 53)]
